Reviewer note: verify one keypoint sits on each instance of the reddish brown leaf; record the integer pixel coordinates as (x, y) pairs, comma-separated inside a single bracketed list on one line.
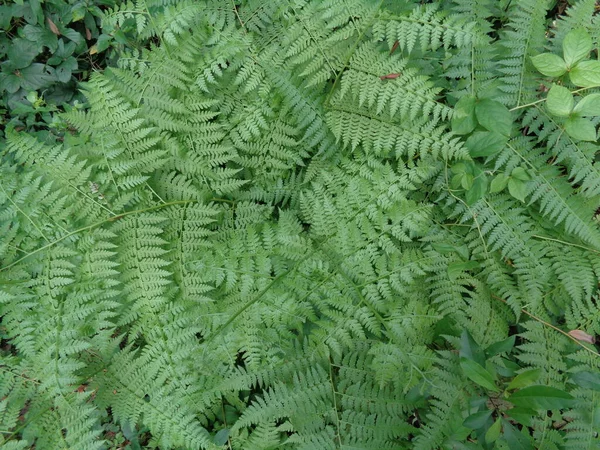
[(53, 27), (390, 76), (88, 34), (582, 336), (394, 47)]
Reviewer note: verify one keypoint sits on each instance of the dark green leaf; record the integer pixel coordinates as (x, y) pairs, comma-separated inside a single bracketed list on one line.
[(588, 380), (41, 36), (524, 416), (485, 143), (493, 116), (559, 101), (541, 397), (10, 82), (477, 420), (455, 269), (470, 349), (36, 77), (586, 74), (463, 119), (478, 374), (221, 437), (22, 52), (515, 438), (477, 190), (549, 64), (504, 346), (577, 45)]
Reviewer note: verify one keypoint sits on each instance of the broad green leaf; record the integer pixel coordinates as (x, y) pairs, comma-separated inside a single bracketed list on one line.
[(10, 82), (520, 174), (22, 52), (41, 36), (588, 380), (477, 189), (524, 379), (581, 129), (485, 143), (549, 64), (463, 119), (503, 346), (517, 188), (498, 183), (493, 433), (470, 349), (541, 397), (577, 45), (586, 74), (588, 105), (515, 438), (493, 116), (522, 415), (559, 101), (36, 76), (478, 374), (466, 181), (477, 420), (221, 437)]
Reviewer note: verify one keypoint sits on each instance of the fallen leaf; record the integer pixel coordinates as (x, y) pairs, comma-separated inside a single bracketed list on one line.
[(88, 34), (53, 27), (582, 336), (394, 47), (390, 76), (93, 49)]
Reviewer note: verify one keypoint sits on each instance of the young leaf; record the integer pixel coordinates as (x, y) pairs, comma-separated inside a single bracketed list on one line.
[(485, 143), (588, 106), (517, 188), (463, 119), (559, 101), (524, 379), (493, 116), (577, 45), (493, 433), (586, 74), (580, 128), (499, 183), (541, 397), (549, 64), (478, 374)]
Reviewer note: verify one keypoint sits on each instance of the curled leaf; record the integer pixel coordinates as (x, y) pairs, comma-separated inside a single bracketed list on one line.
[(582, 336)]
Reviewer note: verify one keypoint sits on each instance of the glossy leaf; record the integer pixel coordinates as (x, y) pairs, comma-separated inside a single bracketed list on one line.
[(542, 397)]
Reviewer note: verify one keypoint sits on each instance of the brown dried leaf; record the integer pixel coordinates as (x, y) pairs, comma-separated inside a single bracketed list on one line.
[(394, 47), (582, 336), (53, 27), (88, 34), (390, 76)]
